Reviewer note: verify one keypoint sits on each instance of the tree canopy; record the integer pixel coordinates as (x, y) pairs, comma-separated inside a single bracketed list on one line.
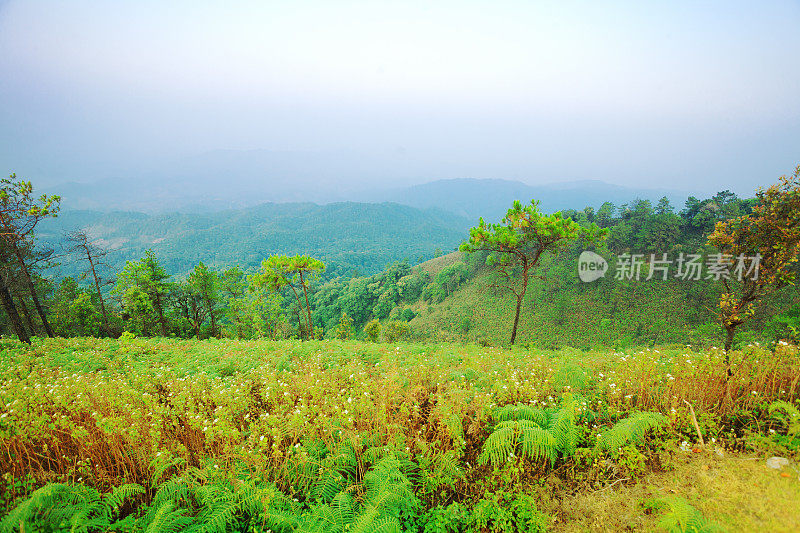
[(517, 244)]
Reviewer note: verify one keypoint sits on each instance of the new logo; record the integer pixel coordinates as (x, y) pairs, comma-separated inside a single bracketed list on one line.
[(591, 266)]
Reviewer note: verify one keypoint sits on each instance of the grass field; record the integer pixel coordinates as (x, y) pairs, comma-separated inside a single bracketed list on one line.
[(349, 436)]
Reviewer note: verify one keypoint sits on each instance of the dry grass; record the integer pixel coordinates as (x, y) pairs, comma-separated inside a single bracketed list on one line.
[(737, 492)]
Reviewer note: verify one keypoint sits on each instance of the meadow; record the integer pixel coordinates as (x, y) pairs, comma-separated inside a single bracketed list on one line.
[(225, 435)]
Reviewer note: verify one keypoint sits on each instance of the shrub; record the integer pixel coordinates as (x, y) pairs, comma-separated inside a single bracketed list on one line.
[(345, 328), (372, 330), (396, 330)]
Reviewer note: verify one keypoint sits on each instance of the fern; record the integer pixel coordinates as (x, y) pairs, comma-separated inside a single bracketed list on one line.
[(386, 481), (341, 512), (791, 419), (563, 426), (508, 437), (167, 519), (161, 464), (333, 474), (629, 430), (520, 412), (683, 518), (533, 433), (80, 506)]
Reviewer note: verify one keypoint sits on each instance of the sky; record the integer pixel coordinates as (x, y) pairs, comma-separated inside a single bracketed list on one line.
[(696, 96)]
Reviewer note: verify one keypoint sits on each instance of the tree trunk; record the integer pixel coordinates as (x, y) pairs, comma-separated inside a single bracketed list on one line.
[(32, 290), (729, 332), (211, 316), (516, 320), (99, 295), (299, 310), (160, 311), (520, 298), (27, 315), (13, 316), (308, 308)]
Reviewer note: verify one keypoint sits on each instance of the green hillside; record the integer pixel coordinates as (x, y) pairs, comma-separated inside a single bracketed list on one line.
[(562, 311)]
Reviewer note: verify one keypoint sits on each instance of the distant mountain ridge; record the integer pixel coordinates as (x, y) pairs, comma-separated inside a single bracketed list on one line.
[(491, 198), (467, 197)]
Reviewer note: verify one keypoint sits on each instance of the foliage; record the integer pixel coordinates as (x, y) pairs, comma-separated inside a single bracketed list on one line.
[(142, 289), (295, 272), (372, 331), (396, 330), (771, 234), (533, 434), (385, 434), (680, 517), (77, 507), (344, 330), (629, 430), (519, 243), (352, 239), (74, 312), (789, 417)]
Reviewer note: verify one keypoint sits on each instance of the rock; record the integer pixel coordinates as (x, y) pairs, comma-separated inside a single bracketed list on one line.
[(778, 463)]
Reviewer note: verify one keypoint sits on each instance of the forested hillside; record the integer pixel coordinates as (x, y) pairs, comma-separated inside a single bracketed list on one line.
[(348, 270), (352, 238), (455, 297)]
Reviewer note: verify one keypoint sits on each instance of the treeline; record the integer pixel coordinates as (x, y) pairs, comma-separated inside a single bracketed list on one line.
[(642, 227), (276, 300)]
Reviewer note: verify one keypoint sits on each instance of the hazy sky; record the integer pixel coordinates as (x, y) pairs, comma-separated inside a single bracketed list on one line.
[(691, 95)]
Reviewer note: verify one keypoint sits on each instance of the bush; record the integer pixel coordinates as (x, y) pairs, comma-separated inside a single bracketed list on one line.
[(372, 330), (396, 330), (345, 328)]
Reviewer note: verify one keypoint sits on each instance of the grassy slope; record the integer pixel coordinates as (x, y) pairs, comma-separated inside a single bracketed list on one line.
[(562, 311)]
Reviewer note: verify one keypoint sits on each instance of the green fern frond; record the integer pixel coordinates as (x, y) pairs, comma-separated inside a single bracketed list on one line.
[(161, 464), (113, 500), (520, 412), (217, 516), (371, 521), (387, 481), (683, 518), (167, 519), (791, 419), (523, 436), (328, 484), (177, 492), (342, 512), (563, 426), (571, 375), (80, 506), (629, 430), (42, 498)]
